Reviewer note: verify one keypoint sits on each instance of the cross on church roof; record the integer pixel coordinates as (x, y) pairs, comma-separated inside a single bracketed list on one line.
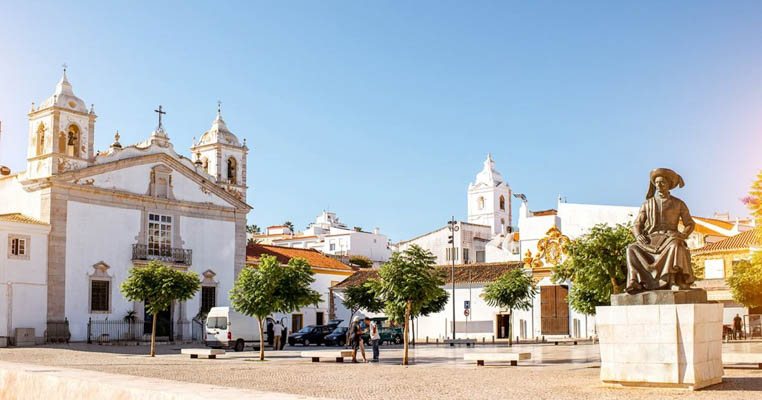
[(160, 112), (64, 67)]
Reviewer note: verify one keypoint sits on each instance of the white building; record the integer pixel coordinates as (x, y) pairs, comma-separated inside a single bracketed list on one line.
[(470, 241), (329, 236), (110, 210), (23, 276)]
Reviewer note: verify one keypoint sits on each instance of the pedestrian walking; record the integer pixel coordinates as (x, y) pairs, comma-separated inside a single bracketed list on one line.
[(737, 327), (277, 333), (375, 337)]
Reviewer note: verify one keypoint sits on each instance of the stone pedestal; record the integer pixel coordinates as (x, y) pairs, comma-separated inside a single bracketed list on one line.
[(661, 345)]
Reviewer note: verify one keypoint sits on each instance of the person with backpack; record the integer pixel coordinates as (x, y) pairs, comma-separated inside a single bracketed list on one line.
[(355, 338)]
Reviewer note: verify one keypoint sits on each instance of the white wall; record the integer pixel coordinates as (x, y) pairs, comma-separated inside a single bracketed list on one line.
[(23, 283), (213, 245), (96, 233)]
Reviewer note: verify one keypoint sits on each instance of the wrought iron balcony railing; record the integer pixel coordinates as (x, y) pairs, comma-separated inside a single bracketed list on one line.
[(168, 254)]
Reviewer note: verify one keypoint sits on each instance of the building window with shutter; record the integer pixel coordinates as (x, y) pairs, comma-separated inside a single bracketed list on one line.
[(99, 296), (18, 247), (465, 256)]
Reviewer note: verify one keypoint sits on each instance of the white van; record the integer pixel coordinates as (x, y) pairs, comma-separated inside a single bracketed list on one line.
[(227, 328)]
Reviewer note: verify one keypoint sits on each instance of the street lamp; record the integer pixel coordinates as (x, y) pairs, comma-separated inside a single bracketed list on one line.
[(451, 240)]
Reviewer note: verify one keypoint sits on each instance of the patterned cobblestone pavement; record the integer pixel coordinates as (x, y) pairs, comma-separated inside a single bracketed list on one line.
[(437, 372)]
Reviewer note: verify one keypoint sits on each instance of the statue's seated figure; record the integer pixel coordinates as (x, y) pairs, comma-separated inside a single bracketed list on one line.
[(660, 258)]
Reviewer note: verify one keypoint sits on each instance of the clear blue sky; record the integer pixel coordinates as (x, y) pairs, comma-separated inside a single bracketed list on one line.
[(383, 111)]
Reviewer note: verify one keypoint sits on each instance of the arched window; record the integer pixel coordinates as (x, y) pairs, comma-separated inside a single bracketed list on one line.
[(502, 202), (72, 141), (481, 202), (40, 139), (232, 170)]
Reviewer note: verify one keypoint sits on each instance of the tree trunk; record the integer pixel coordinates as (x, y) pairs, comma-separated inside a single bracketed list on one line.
[(407, 327), (262, 340), (614, 286), (346, 338), (510, 325), (153, 336)]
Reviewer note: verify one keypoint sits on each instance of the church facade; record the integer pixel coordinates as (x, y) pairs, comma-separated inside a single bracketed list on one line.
[(111, 210)]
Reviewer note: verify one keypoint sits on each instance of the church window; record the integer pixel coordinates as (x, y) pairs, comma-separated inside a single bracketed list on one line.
[(208, 298), (72, 141), (481, 202), (18, 247), (159, 235), (100, 289), (232, 170), (40, 139), (502, 203), (99, 295)]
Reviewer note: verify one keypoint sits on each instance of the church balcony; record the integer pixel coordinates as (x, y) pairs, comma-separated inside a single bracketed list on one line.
[(178, 256)]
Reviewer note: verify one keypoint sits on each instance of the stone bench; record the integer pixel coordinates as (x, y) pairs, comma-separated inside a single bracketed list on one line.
[(338, 355), (742, 358), (557, 341), (467, 342), (209, 353), (480, 358)]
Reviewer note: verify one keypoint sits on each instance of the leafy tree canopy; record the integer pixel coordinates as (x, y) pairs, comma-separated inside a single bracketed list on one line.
[(754, 200), (514, 290), (253, 229), (361, 261), (596, 265), (362, 297), (408, 283), (746, 281), (272, 288)]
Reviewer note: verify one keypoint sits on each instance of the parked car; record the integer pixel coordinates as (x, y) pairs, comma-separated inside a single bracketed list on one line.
[(389, 334), (309, 335), (226, 328), (336, 338)]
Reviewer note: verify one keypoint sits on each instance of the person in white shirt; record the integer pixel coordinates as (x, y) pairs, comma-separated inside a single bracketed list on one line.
[(375, 337), (277, 332)]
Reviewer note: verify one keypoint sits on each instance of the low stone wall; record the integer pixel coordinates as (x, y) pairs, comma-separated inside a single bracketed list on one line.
[(24, 381)]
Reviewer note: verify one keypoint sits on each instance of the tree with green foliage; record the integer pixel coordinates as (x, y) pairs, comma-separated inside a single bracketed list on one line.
[(360, 261), (360, 297), (754, 200), (514, 290), (596, 265), (408, 283), (271, 287), (289, 225), (253, 229), (746, 281), (158, 286)]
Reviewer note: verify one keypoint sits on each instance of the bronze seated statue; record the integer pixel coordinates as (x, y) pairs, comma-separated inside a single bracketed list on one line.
[(660, 258)]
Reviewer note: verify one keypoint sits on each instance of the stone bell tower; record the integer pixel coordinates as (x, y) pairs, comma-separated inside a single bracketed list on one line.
[(223, 157), (61, 133)]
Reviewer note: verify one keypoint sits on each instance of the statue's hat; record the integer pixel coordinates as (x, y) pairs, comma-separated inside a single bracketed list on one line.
[(673, 177)]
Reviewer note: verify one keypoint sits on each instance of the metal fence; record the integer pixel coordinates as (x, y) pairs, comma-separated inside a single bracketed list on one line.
[(123, 331)]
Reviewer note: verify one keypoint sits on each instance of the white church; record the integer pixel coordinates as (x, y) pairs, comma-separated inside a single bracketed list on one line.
[(76, 220)]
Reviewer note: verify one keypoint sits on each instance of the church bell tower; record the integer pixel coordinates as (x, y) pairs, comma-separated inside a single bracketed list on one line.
[(61, 133), (223, 157), (489, 199)]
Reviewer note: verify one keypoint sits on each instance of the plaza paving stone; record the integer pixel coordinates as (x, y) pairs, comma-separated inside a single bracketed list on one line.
[(437, 372)]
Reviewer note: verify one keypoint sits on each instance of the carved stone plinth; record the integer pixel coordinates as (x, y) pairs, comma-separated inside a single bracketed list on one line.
[(691, 296), (664, 345)]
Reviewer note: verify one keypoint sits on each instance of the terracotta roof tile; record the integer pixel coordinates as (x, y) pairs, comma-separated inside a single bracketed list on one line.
[(284, 254), (20, 218), (741, 241), (474, 273), (544, 213)]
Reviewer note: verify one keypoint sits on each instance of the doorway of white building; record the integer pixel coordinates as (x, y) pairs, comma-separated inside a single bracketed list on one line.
[(163, 324), (503, 322), (554, 310)]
